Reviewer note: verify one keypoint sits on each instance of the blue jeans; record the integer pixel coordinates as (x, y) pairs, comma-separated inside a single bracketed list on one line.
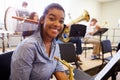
[(78, 43)]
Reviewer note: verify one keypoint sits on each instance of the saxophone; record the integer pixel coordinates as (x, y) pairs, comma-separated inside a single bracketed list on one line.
[(69, 66), (65, 34)]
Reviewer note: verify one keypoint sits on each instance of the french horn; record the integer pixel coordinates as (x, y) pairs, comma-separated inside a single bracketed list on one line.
[(65, 34)]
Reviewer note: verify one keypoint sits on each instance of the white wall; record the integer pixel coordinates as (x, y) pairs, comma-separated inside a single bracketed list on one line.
[(76, 8), (111, 14)]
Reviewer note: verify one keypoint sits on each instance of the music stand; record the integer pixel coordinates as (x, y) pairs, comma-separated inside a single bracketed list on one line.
[(100, 32), (77, 30)]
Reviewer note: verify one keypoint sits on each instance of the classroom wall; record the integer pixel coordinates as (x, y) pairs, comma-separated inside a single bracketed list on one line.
[(76, 8), (111, 14)]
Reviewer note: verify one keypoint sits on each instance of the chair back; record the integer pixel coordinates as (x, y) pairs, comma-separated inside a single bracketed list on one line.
[(67, 51), (106, 46), (5, 61)]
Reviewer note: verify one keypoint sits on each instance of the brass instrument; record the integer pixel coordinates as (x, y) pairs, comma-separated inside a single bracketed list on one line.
[(69, 66), (65, 35)]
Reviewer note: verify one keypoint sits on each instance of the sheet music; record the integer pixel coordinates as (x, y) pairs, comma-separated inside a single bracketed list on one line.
[(109, 65), (100, 31)]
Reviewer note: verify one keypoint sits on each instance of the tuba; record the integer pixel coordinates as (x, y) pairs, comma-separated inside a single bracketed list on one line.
[(65, 34)]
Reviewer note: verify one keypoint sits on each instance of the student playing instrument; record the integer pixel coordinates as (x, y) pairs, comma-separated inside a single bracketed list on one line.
[(29, 28), (89, 38)]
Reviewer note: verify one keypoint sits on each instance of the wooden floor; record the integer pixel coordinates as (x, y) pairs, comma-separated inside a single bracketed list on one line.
[(87, 63)]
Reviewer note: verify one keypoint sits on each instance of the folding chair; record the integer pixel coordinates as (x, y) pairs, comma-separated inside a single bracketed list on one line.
[(87, 46), (5, 61), (118, 46), (68, 54), (106, 48)]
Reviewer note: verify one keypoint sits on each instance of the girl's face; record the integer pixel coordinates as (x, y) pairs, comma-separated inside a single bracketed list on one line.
[(53, 23), (35, 17)]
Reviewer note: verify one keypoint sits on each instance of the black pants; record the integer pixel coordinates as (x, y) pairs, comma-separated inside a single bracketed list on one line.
[(27, 33)]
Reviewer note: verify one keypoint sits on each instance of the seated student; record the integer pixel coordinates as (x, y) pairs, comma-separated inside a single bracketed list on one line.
[(33, 58), (92, 27), (29, 28), (75, 40)]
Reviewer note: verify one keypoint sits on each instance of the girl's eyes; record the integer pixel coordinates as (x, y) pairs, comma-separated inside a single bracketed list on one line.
[(53, 19), (61, 21)]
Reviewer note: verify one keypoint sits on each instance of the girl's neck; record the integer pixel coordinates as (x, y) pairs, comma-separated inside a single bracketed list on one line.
[(47, 40), (48, 43)]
